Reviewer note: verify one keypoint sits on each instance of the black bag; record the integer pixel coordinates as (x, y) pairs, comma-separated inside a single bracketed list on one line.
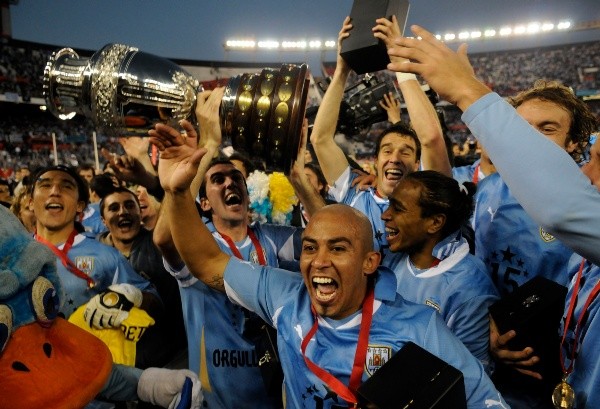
[(268, 361)]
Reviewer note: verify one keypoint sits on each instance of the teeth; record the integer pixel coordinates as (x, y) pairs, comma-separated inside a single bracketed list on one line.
[(322, 280), (324, 297), (53, 206), (394, 172)]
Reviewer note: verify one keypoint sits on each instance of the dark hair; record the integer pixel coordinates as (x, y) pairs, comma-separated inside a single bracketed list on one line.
[(86, 166), (320, 177), (7, 183), (402, 129), (219, 160), (583, 121), (248, 165), (119, 189), (441, 194), (82, 187), (102, 185)]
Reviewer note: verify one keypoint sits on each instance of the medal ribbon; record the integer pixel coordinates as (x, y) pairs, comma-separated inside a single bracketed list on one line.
[(572, 303), (345, 392), (475, 174), (236, 252), (62, 254)]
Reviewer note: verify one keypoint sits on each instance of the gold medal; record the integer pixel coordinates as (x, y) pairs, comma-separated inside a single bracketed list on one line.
[(563, 396)]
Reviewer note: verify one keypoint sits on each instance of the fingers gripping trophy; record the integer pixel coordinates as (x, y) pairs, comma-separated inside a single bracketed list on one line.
[(125, 92)]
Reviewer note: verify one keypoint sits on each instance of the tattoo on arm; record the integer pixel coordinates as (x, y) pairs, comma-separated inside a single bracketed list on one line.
[(217, 283)]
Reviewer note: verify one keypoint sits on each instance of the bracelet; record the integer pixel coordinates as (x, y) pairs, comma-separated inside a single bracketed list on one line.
[(405, 76)]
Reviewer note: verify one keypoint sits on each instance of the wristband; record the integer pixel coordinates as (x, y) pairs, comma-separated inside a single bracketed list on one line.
[(405, 76)]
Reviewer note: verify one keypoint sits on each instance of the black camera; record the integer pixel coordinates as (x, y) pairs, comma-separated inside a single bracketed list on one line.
[(360, 107)]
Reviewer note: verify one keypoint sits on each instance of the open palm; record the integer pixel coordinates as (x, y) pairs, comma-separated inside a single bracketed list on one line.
[(179, 155)]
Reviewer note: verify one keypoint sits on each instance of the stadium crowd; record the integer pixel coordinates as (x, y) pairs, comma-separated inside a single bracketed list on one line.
[(443, 215)]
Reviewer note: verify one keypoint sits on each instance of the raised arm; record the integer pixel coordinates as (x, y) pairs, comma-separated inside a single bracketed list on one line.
[(306, 193), (177, 168), (207, 112), (423, 116), (331, 157), (573, 216)]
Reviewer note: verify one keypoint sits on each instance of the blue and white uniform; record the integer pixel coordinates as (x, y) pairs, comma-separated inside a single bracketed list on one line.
[(92, 220), (367, 201), (281, 298), (466, 173), (458, 288), (512, 246), (220, 350), (104, 264), (553, 190)]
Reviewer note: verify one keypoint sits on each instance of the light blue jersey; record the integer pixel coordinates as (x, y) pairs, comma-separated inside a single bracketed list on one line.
[(553, 190), (104, 264), (220, 348), (365, 201), (458, 288), (92, 220), (512, 246), (468, 173), (280, 297), (585, 378)]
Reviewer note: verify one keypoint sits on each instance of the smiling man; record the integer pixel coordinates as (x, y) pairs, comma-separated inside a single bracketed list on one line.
[(222, 336), (401, 149), (166, 341), (340, 289), (88, 269)]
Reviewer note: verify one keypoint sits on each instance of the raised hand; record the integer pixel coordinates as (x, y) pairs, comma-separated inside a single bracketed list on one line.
[(179, 155), (391, 106), (207, 112), (448, 72), (344, 33)]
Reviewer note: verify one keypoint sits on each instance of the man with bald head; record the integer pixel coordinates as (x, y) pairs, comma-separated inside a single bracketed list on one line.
[(343, 299)]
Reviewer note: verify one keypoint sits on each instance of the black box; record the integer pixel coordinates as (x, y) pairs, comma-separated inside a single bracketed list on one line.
[(415, 379), (361, 50), (534, 311)]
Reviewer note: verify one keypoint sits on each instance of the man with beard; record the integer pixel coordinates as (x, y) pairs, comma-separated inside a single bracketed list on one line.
[(166, 340), (222, 335), (398, 149)]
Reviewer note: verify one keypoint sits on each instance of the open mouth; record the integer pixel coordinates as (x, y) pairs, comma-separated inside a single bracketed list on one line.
[(394, 174), (54, 206), (391, 233), (326, 288), (125, 223), (232, 199)]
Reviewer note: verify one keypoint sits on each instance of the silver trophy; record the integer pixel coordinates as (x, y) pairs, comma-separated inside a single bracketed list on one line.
[(125, 92)]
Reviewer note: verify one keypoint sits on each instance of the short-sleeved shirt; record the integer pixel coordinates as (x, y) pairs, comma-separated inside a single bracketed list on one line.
[(104, 264), (221, 349), (281, 298), (458, 288)]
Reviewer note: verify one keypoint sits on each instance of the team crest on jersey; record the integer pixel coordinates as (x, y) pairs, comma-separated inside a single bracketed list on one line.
[(377, 355), (547, 237), (85, 264)]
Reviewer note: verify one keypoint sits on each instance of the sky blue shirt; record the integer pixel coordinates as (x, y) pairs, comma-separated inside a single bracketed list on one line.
[(458, 288), (281, 298)]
